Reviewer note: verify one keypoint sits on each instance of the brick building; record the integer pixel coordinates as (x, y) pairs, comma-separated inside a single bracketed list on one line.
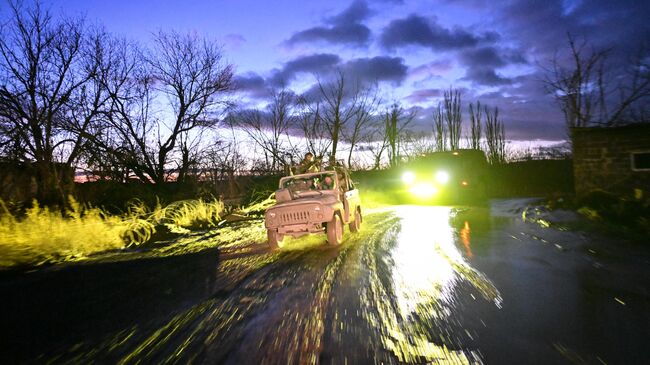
[(615, 159)]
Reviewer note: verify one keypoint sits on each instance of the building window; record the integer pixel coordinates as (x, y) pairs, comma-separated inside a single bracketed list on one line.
[(641, 161)]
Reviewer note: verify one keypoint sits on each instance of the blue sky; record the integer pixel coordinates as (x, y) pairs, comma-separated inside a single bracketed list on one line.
[(414, 49)]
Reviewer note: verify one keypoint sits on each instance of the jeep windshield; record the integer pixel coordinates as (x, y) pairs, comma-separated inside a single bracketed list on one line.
[(310, 184)]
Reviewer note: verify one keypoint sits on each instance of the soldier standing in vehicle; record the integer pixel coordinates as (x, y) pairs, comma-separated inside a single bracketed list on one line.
[(308, 164)]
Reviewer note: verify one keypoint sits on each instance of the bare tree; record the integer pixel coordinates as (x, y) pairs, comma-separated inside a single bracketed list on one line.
[(313, 128), (396, 120), (592, 92), (189, 71), (439, 129), (340, 106), (417, 143), (270, 129), (377, 141), (475, 118), (223, 162), (159, 98), (453, 117), (355, 132), (47, 95), (495, 137)]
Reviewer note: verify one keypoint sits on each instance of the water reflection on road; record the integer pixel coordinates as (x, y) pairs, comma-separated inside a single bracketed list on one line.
[(426, 266), (421, 270)]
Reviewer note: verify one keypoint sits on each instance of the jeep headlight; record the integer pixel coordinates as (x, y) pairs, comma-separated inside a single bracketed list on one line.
[(408, 178), (442, 177)]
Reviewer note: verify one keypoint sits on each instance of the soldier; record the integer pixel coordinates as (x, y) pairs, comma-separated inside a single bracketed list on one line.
[(307, 164), (327, 183)]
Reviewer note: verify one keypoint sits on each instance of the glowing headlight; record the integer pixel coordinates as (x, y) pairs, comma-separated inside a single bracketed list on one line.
[(442, 177), (424, 190), (408, 178)]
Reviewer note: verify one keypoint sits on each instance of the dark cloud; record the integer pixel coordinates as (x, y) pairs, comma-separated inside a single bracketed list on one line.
[(485, 76), (251, 83), (317, 63), (356, 13), (420, 31), (354, 34), (343, 28), (543, 26), (481, 64), (490, 56), (380, 68), (312, 63)]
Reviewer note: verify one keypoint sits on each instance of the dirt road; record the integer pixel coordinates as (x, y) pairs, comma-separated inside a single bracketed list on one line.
[(503, 284)]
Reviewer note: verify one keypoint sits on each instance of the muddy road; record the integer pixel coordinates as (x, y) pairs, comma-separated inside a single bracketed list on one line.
[(503, 284)]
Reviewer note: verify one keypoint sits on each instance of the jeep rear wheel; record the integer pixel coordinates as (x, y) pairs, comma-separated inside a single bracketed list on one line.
[(275, 238), (356, 224), (334, 230)]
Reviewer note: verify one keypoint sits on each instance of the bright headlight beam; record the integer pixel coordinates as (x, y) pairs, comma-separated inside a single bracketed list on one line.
[(442, 177), (408, 178), (424, 190)]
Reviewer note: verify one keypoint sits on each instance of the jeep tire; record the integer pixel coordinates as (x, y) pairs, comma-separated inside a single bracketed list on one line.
[(334, 229), (275, 238), (355, 225)]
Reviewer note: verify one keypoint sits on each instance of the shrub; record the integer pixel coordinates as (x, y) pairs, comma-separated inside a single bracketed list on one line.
[(43, 235)]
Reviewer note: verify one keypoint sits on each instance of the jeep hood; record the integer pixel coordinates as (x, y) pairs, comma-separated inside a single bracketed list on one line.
[(319, 199)]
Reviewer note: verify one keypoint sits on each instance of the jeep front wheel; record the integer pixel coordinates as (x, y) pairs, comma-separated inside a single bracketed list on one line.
[(356, 224), (275, 238), (334, 230)]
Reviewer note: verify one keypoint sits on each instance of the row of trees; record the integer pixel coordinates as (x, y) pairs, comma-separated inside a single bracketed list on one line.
[(73, 94), (349, 113)]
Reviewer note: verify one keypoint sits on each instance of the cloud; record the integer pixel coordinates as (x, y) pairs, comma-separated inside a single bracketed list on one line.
[(316, 63), (233, 40), (482, 62), (420, 31), (343, 28), (380, 68), (486, 76), (356, 13), (490, 56), (252, 84)]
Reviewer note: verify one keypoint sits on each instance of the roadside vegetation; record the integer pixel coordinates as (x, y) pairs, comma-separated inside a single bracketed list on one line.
[(42, 235), (609, 213)]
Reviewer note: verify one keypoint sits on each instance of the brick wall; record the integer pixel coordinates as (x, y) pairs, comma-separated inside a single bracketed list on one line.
[(602, 159)]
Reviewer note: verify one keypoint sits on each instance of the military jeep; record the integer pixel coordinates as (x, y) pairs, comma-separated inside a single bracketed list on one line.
[(318, 202)]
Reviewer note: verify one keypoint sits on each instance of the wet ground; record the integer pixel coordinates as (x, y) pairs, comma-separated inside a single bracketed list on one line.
[(503, 284)]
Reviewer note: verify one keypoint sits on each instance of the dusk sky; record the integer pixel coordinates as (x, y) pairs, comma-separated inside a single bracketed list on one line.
[(414, 49)]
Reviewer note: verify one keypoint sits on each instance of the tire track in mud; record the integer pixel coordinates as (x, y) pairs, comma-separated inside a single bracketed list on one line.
[(292, 329), (257, 295)]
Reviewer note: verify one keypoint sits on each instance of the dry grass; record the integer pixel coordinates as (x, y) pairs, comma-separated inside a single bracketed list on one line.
[(43, 236), (181, 216)]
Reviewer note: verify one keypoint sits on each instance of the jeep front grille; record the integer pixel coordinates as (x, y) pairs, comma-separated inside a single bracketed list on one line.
[(294, 217)]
